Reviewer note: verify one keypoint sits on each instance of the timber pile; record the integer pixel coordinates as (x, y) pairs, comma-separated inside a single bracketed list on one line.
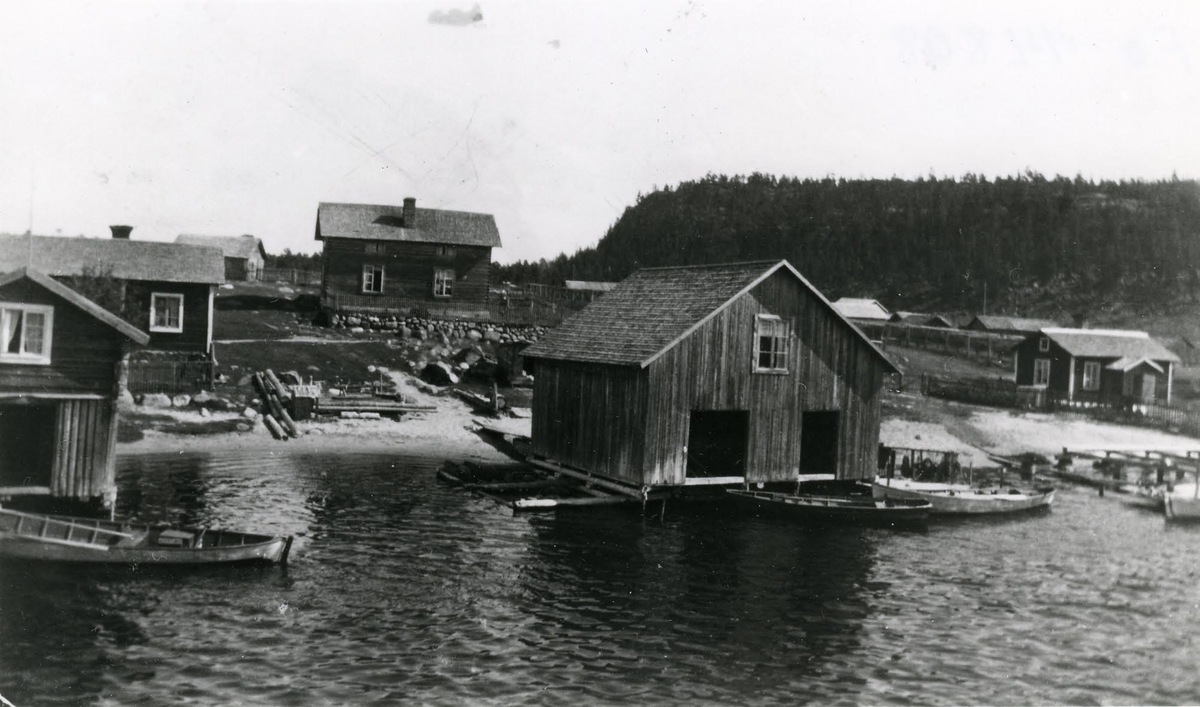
[(275, 417)]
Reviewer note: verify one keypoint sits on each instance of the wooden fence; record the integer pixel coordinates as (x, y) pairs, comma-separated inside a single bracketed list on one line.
[(995, 349), (292, 276), (170, 377)]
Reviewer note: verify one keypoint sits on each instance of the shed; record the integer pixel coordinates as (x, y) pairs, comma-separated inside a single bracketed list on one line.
[(1097, 365), (699, 375), (245, 255), (999, 324), (922, 319), (60, 360)]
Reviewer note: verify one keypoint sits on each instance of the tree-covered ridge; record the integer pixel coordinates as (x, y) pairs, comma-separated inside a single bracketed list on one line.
[(926, 242)]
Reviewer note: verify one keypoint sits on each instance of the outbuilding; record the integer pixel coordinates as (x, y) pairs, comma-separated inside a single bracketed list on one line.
[(60, 359), (702, 375)]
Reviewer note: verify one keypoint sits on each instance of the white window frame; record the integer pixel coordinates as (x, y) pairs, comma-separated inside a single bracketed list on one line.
[(1044, 344), (22, 355), (1041, 369), (446, 251), (773, 327), (375, 248), (372, 279), (443, 282), (154, 309), (1091, 376)]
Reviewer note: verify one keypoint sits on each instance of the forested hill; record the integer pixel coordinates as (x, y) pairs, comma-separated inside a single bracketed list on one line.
[(924, 243)]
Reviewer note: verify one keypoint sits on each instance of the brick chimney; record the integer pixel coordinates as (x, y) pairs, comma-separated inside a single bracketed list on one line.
[(410, 212), (121, 233)]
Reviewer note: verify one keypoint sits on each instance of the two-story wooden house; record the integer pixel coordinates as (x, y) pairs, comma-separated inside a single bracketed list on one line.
[(1096, 365), (393, 259), (722, 374), (60, 359)]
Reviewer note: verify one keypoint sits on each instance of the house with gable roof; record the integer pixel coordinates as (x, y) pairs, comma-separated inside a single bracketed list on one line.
[(708, 375), (1096, 365), (392, 259), (245, 255), (864, 310), (60, 362)]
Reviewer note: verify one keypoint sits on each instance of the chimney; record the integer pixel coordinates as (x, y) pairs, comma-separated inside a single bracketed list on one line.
[(410, 212), (1081, 320), (121, 233)]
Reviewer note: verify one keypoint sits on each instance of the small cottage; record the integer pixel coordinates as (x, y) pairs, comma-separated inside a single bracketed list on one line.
[(1012, 326), (721, 374), (1096, 365), (244, 255), (392, 259), (921, 319), (61, 356)]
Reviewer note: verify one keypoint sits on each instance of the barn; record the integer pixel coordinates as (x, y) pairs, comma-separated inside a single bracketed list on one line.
[(705, 375), (60, 360)]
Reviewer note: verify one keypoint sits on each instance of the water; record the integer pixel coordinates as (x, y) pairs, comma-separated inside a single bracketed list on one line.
[(403, 591)]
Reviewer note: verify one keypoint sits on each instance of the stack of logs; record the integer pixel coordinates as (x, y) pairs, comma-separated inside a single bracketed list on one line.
[(277, 420)]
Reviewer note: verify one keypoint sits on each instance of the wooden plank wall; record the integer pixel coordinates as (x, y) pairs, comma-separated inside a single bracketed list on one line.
[(84, 465), (408, 270), (590, 417), (194, 336)]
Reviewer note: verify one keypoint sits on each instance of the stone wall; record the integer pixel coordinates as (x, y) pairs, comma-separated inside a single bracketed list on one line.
[(424, 328)]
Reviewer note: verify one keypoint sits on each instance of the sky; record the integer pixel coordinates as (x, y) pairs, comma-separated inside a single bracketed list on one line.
[(224, 118)]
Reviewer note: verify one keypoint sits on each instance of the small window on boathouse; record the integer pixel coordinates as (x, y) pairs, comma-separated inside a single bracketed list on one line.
[(1044, 343), (770, 344)]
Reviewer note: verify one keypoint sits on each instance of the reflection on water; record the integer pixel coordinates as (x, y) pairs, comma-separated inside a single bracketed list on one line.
[(404, 591)]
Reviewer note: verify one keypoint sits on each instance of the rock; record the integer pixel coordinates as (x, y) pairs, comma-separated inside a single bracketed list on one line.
[(348, 415), (492, 335), (181, 401), (438, 374), (243, 427), (356, 330), (314, 369), (125, 401), (156, 400), (203, 398), (464, 366), (245, 381), (250, 413), (474, 334), (205, 412)]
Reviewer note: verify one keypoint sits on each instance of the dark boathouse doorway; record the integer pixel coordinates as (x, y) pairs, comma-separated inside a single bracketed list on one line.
[(819, 441), (27, 444), (717, 441)]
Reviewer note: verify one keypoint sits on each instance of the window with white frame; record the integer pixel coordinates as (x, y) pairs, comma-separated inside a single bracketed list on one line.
[(1044, 344), (1041, 371), (770, 344), (445, 251), (166, 312), (1091, 375), (372, 279), (443, 283), (25, 332), (376, 248)]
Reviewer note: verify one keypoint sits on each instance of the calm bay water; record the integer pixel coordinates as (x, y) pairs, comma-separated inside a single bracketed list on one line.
[(403, 591)]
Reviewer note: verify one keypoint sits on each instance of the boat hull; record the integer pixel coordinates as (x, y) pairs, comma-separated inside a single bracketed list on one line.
[(1182, 509), (957, 499), (31, 536), (826, 509)]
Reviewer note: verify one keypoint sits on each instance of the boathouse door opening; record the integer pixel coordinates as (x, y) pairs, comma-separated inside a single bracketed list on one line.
[(27, 433), (717, 441), (819, 441)]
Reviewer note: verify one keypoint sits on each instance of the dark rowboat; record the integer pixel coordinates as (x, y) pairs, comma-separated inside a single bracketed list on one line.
[(834, 509), (34, 536)]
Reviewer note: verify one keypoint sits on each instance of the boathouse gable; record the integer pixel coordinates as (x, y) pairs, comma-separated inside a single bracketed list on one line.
[(58, 417), (704, 374)]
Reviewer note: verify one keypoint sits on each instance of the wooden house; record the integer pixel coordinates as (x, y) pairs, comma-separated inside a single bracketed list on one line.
[(60, 360), (245, 256), (392, 259), (1096, 365), (165, 289), (921, 319), (862, 310), (1013, 326), (722, 374)]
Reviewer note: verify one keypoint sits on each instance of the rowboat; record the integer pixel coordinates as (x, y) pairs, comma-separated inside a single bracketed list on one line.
[(34, 536), (1183, 504), (963, 499), (1140, 496), (834, 509)]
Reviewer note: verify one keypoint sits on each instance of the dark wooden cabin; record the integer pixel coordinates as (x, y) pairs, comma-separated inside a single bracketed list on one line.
[(245, 255), (60, 356), (703, 375), (165, 289), (1096, 365), (393, 259), (1012, 326)]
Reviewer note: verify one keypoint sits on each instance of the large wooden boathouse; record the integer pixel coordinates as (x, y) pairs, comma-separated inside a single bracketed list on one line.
[(721, 374), (60, 359)]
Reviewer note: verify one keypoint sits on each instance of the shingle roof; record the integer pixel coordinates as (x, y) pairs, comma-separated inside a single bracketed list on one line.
[(1128, 363), (856, 308), (231, 246), (589, 285), (996, 322), (655, 308), (386, 223), (125, 328), (921, 319), (1109, 343), (127, 260)]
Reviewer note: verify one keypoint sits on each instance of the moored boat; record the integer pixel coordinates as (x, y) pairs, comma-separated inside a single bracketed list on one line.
[(857, 511), (963, 499), (35, 536), (1183, 504)]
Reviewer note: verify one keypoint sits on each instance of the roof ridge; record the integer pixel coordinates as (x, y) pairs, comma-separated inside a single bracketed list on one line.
[(739, 263)]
